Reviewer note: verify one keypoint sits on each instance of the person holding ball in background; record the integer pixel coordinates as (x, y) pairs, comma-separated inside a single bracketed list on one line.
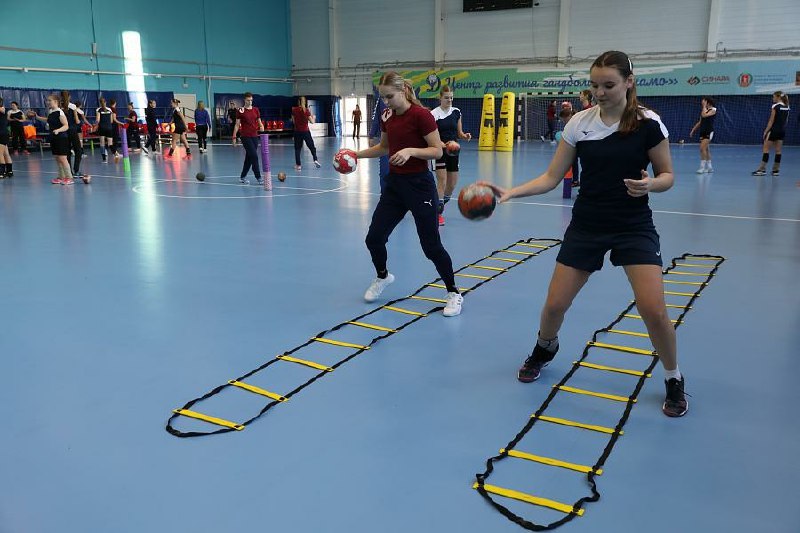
[(448, 120)]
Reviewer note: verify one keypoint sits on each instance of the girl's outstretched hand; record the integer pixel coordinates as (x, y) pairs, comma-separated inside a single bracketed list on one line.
[(503, 195)]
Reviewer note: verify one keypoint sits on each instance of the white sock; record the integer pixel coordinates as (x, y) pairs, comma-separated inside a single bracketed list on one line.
[(703, 163), (549, 345), (669, 374), (708, 163)]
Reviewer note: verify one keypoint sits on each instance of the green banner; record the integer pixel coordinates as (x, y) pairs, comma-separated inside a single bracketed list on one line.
[(686, 79)]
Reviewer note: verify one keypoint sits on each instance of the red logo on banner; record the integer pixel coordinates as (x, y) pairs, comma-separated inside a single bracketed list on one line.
[(745, 79)]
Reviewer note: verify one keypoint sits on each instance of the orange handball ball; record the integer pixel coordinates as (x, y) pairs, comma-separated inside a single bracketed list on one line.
[(476, 202), (452, 148)]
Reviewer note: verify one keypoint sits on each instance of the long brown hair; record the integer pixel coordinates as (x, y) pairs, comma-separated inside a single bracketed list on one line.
[(393, 79), (629, 122), (63, 102)]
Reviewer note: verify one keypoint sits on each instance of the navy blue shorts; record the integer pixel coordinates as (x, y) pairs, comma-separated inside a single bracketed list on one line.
[(776, 135), (585, 250), (447, 162)]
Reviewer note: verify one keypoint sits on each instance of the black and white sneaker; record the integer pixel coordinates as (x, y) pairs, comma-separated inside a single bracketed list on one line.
[(675, 404), (776, 173), (533, 365), (244, 181), (759, 172)]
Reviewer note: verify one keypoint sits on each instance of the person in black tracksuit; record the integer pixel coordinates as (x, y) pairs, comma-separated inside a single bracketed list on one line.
[(411, 138), (16, 120), (152, 126), (74, 121)]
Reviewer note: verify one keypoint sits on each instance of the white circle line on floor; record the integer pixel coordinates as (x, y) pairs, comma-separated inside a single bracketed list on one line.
[(139, 190)]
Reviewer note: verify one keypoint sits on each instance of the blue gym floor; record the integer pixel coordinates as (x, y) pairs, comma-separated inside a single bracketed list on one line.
[(126, 298)]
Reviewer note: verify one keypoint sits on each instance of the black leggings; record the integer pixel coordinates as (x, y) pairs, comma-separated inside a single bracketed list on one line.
[(250, 156), (18, 141), (202, 133), (75, 144), (152, 135), (356, 129), (299, 137), (415, 193)]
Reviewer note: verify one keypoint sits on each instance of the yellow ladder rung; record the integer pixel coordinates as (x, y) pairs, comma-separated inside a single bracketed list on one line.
[(528, 498), (518, 253), (372, 326), (673, 306), (592, 393), (627, 349), (440, 286), (681, 273), (209, 419), (631, 333), (564, 422), (311, 364), (473, 276), (541, 246), (552, 462), (693, 265), (437, 300), (340, 343), (673, 293), (496, 269), (699, 258), (639, 317), (504, 259), (613, 369), (257, 390), (701, 283), (401, 310)]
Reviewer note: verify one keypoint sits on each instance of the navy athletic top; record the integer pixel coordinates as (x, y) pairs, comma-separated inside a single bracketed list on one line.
[(3, 123), (54, 122), (16, 114), (707, 123), (176, 117), (447, 122), (104, 118), (781, 117), (608, 157)]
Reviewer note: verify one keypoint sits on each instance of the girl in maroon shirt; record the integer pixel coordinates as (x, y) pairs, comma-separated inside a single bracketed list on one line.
[(410, 137)]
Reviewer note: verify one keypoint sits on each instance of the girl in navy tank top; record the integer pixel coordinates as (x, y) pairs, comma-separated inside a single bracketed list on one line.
[(178, 129), (59, 139)]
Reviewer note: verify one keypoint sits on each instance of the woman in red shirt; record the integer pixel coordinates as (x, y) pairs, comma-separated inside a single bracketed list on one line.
[(301, 116), (410, 137), (248, 124)]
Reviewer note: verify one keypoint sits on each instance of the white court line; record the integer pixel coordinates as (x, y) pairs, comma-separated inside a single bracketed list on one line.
[(711, 215)]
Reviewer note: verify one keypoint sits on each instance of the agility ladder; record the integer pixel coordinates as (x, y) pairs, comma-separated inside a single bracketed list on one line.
[(491, 266), (684, 271)]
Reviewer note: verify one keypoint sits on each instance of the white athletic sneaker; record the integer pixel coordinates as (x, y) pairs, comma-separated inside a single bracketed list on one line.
[(377, 287), (453, 306), (700, 170)]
